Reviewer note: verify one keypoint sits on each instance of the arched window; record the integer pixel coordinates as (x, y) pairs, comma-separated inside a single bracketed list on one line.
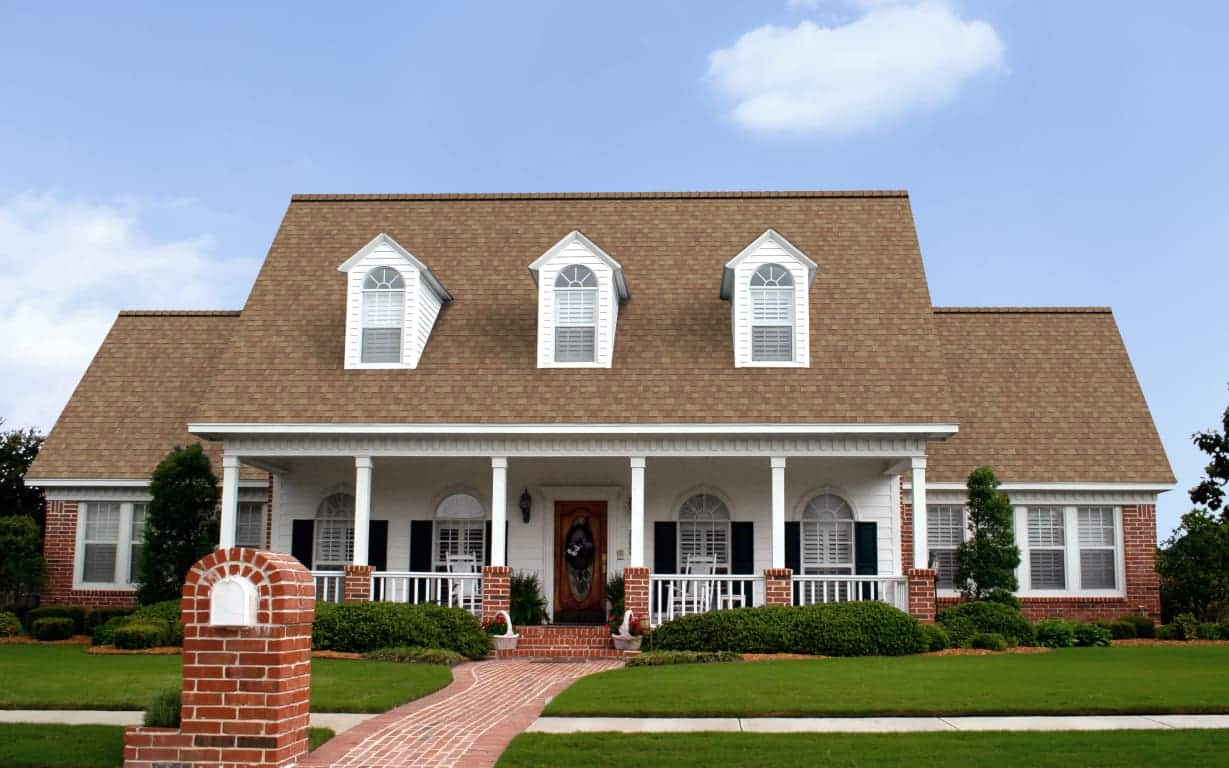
[(383, 315), (704, 533), (827, 535), (335, 532), (460, 534), (772, 314), (575, 315)]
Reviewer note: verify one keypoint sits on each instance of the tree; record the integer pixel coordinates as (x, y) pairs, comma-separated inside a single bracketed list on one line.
[(986, 562), (22, 571), (1194, 567), (181, 523), (1211, 490), (18, 447)]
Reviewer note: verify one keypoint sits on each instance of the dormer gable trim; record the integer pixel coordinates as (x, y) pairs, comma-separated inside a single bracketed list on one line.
[(576, 236), (383, 239), (770, 235)]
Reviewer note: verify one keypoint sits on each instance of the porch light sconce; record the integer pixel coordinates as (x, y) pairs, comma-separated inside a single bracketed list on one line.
[(526, 505)]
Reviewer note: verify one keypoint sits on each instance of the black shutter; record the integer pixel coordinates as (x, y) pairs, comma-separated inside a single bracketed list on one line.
[(302, 539), (742, 553), (377, 544), (793, 553), (866, 555), (420, 545), (486, 545), (665, 547)]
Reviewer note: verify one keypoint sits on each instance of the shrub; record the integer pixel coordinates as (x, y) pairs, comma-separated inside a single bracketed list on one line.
[(666, 658), (22, 569), (143, 633), (967, 619), (1185, 625), (1143, 625), (414, 655), (1090, 635), (990, 641), (1167, 632), (52, 628), (99, 616), (1207, 631), (163, 710), (1055, 633), (104, 634), (1122, 630), (181, 522), (10, 626), (74, 612), (614, 594), (936, 637), (526, 604), (362, 627), (1224, 630)]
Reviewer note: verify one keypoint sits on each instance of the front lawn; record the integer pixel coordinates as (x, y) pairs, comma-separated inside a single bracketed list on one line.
[(1101, 749), (1142, 679), (66, 677)]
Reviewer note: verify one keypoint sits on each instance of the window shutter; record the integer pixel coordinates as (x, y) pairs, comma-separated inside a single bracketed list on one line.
[(743, 549), (420, 545), (486, 545), (302, 537), (665, 545), (793, 546), (377, 544), (866, 555)]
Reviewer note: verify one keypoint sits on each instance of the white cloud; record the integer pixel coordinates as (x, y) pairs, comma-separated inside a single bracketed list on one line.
[(893, 59), (66, 268)]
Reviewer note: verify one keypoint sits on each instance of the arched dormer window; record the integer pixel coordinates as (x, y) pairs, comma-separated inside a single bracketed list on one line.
[(772, 314), (575, 315), (704, 535), (827, 535), (334, 532), (460, 534), (383, 315), (768, 286)]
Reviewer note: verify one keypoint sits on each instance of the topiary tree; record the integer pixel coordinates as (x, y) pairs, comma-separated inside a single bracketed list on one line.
[(22, 571), (986, 563), (181, 523), (1211, 490), (1194, 567)]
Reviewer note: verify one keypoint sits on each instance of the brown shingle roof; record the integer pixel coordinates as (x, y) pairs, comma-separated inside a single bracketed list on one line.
[(1044, 395), (874, 355)]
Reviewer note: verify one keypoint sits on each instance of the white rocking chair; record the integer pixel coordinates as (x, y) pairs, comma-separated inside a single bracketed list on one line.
[(461, 592)]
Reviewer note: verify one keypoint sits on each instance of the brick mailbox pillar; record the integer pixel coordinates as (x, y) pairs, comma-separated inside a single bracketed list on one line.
[(778, 586), (922, 593), (496, 590), (247, 618), (356, 582), (636, 593)]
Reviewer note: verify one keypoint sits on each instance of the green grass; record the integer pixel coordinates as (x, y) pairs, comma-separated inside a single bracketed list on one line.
[(66, 677), (1137, 679), (1101, 749), (78, 746)]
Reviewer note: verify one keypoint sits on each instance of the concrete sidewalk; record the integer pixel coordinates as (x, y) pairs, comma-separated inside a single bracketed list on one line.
[(873, 724), (339, 722)]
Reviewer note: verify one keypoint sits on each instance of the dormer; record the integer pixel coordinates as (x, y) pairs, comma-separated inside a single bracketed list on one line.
[(580, 288), (767, 285), (392, 300)]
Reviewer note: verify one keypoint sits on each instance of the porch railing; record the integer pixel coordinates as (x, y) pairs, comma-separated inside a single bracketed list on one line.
[(810, 589), (456, 590), (329, 586), (675, 595)]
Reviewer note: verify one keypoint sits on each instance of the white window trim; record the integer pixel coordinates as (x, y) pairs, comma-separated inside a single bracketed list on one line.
[(264, 517), (123, 552), (403, 326), (1071, 533), (964, 536)]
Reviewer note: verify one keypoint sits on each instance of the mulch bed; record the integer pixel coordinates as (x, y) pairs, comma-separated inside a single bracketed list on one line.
[(1154, 641), (778, 656), (984, 652), (111, 650), (27, 640), (336, 655)]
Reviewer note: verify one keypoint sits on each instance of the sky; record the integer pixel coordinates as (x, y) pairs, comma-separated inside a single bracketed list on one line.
[(1056, 153)]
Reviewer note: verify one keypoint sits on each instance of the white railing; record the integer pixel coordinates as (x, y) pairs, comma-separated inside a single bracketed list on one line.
[(329, 586), (457, 590), (675, 595), (814, 589)]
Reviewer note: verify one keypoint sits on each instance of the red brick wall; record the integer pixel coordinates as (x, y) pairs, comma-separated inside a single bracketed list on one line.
[(60, 553), (922, 603), (778, 586), (636, 593), (496, 590), (356, 583)]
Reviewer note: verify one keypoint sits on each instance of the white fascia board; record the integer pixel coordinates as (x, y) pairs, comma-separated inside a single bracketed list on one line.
[(576, 236), (383, 239), (1092, 487), (932, 431), (87, 482), (727, 275)]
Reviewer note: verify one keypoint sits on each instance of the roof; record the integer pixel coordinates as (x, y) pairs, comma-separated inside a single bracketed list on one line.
[(874, 357), (131, 407), (1044, 395)]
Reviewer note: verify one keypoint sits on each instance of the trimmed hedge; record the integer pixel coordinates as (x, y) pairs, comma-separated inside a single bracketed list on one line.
[(964, 621), (667, 658), (142, 633), (104, 634), (989, 641), (1207, 631), (1143, 625), (1091, 636), (836, 629), (415, 655), (99, 616), (1055, 633), (10, 625), (936, 637), (74, 612), (53, 628), (1121, 630), (364, 627)]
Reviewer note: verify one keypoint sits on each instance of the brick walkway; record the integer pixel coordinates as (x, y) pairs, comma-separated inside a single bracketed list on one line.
[(468, 724)]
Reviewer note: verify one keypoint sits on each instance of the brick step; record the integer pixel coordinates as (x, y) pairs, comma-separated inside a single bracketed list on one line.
[(564, 641)]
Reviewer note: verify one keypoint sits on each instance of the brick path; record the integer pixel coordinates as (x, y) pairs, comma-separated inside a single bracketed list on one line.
[(467, 724)]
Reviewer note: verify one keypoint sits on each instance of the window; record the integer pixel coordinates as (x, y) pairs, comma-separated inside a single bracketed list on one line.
[(102, 529), (772, 314), (1047, 548), (944, 533), (136, 535), (250, 524), (704, 532), (575, 315), (383, 315), (460, 533), (111, 535), (827, 535), (1098, 542), (335, 532)]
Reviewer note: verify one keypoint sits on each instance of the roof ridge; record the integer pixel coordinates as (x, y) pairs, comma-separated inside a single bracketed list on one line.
[(717, 194), (1023, 310), (180, 312)]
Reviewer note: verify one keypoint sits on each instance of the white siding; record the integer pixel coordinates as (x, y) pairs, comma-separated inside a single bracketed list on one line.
[(422, 306), (607, 306), (769, 252)]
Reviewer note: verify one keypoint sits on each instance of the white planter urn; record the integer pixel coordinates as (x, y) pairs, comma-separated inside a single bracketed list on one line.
[(626, 642), (504, 642)]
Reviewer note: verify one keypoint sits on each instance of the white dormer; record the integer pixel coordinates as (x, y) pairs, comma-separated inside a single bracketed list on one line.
[(392, 300), (579, 290), (767, 286)]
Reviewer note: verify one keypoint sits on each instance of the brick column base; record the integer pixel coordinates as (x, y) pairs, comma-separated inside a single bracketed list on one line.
[(922, 593), (778, 586), (496, 590), (356, 584), (636, 593)]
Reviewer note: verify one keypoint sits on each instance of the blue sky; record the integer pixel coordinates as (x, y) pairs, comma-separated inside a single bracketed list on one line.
[(1056, 152)]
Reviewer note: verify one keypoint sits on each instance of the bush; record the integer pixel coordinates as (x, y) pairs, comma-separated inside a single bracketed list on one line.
[(99, 616), (22, 569), (1054, 633), (615, 588), (1122, 630), (52, 628), (104, 634), (138, 634), (1224, 630), (10, 626), (527, 607), (1207, 631), (968, 619), (1090, 635), (1143, 625), (666, 658), (1185, 626), (1167, 632), (414, 655), (989, 641), (936, 637), (74, 612), (363, 627), (163, 710), (835, 629)]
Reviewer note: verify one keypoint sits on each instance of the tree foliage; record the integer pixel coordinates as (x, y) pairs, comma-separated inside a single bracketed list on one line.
[(22, 571), (1211, 490), (1194, 567), (181, 523), (18, 447), (986, 562)]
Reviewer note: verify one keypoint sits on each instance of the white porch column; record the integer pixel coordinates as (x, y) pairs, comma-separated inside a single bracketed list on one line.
[(230, 501), (362, 508), (920, 554), (637, 559), (499, 511), (778, 511)]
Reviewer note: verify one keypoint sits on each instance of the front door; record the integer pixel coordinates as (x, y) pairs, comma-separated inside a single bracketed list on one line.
[(580, 562)]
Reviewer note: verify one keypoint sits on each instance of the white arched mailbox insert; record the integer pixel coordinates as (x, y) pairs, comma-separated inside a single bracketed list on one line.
[(232, 602)]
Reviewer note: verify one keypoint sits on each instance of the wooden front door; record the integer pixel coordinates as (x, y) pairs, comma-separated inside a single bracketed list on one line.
[(580, 562)]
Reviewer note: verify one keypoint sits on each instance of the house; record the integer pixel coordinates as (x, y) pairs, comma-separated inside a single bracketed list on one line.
[(729, 398)]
